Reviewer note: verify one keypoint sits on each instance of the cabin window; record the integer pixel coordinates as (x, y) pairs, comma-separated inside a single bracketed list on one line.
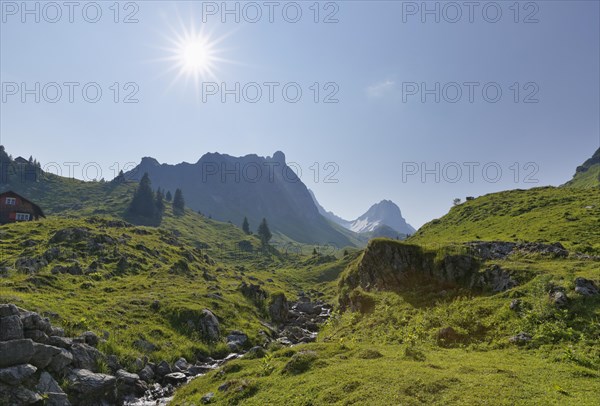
[(11, 201), (22, 216)]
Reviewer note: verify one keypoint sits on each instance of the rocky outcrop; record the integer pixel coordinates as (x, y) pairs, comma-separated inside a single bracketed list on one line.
[(495, 278), (34, 355), (279, 308), (393, 266), (89, 388), (487, 250), (209, 325)]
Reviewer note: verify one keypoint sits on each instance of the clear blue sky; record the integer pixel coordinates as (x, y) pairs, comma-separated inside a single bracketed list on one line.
[(370, 53)]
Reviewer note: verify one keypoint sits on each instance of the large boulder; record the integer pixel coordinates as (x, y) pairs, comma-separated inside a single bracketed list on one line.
[(175, 378), (209, 325), (85, 356), (279, 308), (15, 352), (129, 384), (586, 287), (17, 374), (92, 389), (147, 374), (60, 361), (51, 391), (62, 342), (90, 338), (33, 321), (8, 310), (11, 328), (163, 368), (43, 354), (236, 340), (18, 395), (47, 384)]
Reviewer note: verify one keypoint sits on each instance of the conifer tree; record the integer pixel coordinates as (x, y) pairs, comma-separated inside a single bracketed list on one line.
[(178, 202), (264, 233), (143, 203)]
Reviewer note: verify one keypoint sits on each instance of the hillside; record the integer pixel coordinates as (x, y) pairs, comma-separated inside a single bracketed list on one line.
[(570, 216), (497, 297), (496, 302), (587, 175), (440, 327)]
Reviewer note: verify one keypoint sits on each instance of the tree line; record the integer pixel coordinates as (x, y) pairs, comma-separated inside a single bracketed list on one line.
[(149, 206)]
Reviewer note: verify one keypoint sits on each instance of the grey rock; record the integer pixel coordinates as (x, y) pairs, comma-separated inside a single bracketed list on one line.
[(33, 321), (90, 338), (236, 340), (308, 307), (127, 377), (138, 364), (147, 374), (11, 328), (85, 356), (16, 374), (209, 325), (18, 395), (163, 368), (72, 234), (36, 335), (181, 365), (51, 254), (89, 388), (520, 339), (586, 287), (256, 352), (47, 384), (29, 264), (8, 310), (175, 378), (62, 342), (15, 352), (61, 360), (494, 278), (279, 308), (558, 297), (43, 354), (113, 363), (56, 399)]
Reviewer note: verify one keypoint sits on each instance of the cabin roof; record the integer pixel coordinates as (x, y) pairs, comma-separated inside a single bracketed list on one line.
[(37, 209)]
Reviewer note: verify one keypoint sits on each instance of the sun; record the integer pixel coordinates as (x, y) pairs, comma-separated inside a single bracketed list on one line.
[(193, 54)]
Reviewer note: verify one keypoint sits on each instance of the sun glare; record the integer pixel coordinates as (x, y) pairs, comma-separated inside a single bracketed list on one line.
[(193, 54)]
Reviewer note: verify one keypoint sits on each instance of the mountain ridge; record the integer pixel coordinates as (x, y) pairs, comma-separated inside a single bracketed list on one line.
[(229, 188), (385, 213)]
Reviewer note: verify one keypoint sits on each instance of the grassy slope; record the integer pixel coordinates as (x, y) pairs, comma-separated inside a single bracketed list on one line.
[(344, 375), (560, 365), (567, 215), (118, 301), (587, 179)]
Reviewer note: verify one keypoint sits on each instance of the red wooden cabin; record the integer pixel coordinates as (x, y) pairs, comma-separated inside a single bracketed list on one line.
[(14, 207)]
